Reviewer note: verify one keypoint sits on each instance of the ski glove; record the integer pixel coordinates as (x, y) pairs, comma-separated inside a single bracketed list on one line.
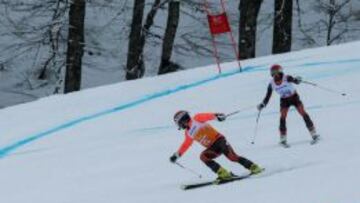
[(298, 80), (174, 157), (260, 106), (220, 116)]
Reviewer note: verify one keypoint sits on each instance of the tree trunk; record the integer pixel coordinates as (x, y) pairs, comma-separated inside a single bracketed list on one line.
[(54, 32), (282, 26), (249, 11), (166, 66), (331, 21), (135, 66), (134, 59), (75, 49)]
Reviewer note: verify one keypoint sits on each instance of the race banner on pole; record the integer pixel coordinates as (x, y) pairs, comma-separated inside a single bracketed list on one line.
[(218, 24)]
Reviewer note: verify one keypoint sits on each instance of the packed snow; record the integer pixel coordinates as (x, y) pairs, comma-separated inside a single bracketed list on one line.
[(112, 143)]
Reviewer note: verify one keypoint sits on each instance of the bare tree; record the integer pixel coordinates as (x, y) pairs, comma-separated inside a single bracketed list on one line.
[(282, 33), (134, 66), (335, 22), (54, 33), (36, 30), (167, 65), (75, 49), (249, 11), (333, 11)]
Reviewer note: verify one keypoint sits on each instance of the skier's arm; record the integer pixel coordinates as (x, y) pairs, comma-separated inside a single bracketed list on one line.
[(266, 99), (185, 145), (182, 149), (203, 117), (297, 80), (268, 95)]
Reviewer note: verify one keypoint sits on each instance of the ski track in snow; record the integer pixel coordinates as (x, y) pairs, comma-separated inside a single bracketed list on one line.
[(254, 115)]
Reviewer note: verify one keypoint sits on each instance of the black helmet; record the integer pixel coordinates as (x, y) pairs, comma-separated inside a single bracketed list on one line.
[(181, 118)]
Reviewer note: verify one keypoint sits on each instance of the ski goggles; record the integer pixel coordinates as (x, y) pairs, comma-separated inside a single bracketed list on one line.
[(275, 72)]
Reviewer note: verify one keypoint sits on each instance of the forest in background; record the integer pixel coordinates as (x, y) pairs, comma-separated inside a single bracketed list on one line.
[(59, 46)]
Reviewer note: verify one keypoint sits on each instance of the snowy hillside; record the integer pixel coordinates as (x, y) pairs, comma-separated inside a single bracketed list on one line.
[(112, 144)]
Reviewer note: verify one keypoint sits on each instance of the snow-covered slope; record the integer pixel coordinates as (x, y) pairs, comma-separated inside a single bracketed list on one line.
[(112, 143)]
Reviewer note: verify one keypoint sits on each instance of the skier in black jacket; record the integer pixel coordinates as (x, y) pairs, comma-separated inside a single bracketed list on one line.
[(282, 84)]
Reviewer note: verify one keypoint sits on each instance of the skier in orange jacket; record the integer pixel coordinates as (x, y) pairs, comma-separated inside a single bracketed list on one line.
[(197, 128)]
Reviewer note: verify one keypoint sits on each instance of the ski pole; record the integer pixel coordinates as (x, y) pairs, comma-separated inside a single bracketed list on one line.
[(188, 169), (256, 127), (238, 111), (324, 88)]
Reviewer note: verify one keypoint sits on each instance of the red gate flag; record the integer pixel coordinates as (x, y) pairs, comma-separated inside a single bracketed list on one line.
[(218, 24)]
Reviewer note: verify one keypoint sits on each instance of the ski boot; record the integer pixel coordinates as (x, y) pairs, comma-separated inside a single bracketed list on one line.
[(223, 174), (315, 136), (255, 169), (283, 141)]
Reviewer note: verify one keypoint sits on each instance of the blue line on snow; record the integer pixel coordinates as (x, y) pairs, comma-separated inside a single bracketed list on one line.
[(331, 62), (7, 149)]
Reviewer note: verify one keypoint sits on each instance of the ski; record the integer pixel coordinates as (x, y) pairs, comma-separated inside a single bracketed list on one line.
[(264, 173), (214, 182)]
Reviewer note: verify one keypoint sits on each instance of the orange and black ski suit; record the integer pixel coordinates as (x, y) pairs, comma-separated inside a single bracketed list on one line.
[(214, 142)]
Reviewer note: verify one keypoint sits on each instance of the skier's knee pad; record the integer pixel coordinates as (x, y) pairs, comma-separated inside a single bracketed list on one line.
[(207, 156), (233, 157)]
